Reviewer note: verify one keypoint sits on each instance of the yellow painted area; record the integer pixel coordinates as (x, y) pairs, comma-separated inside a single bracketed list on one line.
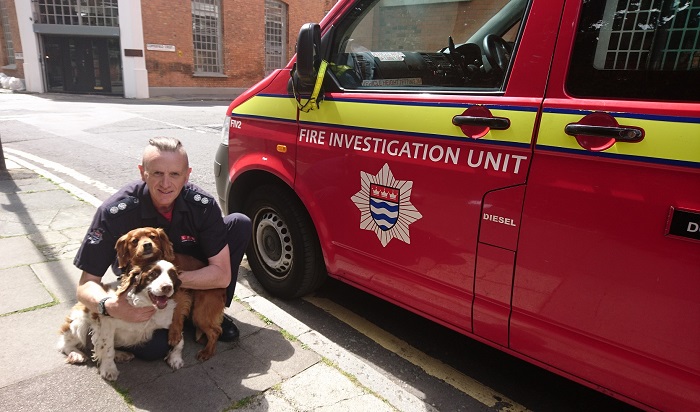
[(520, 130), (433, 120), (431, 366), (663, 139), (398, 118), (282, 108)]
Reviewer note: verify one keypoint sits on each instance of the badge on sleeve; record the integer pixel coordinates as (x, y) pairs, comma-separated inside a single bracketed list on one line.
[(95, 236)]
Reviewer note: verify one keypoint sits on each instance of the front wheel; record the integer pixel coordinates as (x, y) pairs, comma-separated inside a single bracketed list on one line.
[(284, 254)]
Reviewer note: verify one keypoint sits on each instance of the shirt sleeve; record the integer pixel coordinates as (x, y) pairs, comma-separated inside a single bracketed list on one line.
[(96, 253), (213, 231), (115, 217), (208, 221)]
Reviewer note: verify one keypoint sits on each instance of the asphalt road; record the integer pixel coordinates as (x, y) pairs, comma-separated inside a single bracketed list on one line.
[(95, 143)]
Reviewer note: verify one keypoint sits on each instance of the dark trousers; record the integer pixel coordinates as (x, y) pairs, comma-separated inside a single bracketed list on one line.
[(239, 229)]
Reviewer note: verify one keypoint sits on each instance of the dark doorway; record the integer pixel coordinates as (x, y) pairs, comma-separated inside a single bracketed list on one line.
[(83, 65)]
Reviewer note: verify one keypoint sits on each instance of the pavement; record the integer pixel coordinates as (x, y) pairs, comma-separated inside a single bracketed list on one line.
[(278, 364)]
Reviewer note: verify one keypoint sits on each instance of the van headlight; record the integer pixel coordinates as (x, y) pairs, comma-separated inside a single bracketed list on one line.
[(225, 130)]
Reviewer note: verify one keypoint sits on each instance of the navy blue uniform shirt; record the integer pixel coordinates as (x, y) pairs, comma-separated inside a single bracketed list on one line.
[(197, 227)]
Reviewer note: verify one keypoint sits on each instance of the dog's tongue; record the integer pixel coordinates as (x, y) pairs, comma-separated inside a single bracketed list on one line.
[(160, 301)]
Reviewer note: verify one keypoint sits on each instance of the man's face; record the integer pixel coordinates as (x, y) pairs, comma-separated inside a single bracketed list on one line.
[(165, 173)]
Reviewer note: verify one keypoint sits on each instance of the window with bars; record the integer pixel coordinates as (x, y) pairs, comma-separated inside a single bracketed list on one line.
[(206, 34), (648, 49), (99, 13), (658, 34), (275, 35), (7, 34)]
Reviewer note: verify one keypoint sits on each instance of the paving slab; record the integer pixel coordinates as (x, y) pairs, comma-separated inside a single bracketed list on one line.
[(63, 390), (61, 278), (16, 251), (326, 389), (31, 350), (287, 358), (21, 290)]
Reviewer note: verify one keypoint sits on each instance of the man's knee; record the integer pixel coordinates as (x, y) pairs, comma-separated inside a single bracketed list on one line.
[(238, 225), (154, 349)]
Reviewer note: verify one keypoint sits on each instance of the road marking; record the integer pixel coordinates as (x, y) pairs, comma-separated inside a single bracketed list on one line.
[(57, 167), (72, 189), (177, 126), (431, 366)]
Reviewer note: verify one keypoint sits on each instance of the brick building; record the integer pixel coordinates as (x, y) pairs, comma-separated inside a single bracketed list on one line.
[(140, 49)]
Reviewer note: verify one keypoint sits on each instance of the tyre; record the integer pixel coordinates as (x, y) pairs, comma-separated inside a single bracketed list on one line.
[(284, 253)]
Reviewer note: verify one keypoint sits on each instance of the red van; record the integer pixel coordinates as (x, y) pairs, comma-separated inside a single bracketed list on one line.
[(525, 172)]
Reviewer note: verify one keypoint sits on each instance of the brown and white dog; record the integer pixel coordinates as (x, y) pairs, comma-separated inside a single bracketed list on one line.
[(206, 306), (151, 285)]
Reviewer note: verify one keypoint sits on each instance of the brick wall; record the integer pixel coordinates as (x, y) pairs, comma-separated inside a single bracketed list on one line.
[(429, 22), (17, 44), (243, 31)]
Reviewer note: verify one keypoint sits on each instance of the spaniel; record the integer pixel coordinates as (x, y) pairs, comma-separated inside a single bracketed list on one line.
[(205, 306), (152, 285)]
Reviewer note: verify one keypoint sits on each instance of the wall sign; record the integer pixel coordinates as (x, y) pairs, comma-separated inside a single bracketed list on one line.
[(161, 47)]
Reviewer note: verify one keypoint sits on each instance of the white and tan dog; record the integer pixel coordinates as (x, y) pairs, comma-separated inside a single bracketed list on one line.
[(153, 285)]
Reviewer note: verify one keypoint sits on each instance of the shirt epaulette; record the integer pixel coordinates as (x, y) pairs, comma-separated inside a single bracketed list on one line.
[(122, 205), (198, 198)]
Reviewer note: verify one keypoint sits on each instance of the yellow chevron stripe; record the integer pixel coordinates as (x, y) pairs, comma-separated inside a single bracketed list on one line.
[(663, 139)]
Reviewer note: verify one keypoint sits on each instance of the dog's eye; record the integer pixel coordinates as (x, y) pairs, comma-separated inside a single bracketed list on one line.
[(134, 241)]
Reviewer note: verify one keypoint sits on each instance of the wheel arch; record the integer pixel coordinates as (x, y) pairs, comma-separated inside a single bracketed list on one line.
[(243, 186), (244, 190)]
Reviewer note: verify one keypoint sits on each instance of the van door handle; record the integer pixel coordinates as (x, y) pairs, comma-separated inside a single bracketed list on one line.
[(625, 134), (496, 123)]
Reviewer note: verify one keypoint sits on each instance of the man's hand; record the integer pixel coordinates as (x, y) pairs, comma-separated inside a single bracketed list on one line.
[(90, 292), (119, 308)]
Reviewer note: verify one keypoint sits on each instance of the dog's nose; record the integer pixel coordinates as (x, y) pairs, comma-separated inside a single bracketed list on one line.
[(167, 289), (147, 247)]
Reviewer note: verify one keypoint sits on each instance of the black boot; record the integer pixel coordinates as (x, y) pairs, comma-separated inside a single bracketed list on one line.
[(229, 331)]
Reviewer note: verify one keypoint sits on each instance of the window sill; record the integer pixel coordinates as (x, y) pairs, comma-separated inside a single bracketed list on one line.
[(203, 74)]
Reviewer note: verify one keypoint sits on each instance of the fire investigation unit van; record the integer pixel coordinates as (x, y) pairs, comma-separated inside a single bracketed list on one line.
[(525, 172)]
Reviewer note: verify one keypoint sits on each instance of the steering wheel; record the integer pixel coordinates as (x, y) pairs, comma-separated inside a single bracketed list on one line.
[(498, 52)]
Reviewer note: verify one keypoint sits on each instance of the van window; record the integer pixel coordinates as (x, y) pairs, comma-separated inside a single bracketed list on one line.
[(426, 44), (647, 49)]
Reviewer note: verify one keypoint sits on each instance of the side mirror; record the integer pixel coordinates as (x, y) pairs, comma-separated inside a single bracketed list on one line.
[(308, 57)]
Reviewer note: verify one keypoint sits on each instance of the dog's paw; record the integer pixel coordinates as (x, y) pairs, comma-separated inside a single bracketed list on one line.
[(174, 358), (175, 361), (109, 371), (76, 357), (121, 356), (204, 355)]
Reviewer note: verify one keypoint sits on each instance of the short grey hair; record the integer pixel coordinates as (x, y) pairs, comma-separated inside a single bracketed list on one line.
[(165, 144)]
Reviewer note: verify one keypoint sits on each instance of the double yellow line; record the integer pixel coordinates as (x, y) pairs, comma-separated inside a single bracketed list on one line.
[(431, 366)]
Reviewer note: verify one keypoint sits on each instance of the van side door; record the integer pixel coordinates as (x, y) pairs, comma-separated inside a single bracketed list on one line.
[(429, 108), (608, 271)]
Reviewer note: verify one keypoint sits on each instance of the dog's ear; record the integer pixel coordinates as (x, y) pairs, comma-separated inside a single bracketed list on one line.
[(166, 245), (122, 248), (175, 277), (129, 279)]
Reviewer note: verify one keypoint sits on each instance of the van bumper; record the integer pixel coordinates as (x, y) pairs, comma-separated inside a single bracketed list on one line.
[(221, 176)]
